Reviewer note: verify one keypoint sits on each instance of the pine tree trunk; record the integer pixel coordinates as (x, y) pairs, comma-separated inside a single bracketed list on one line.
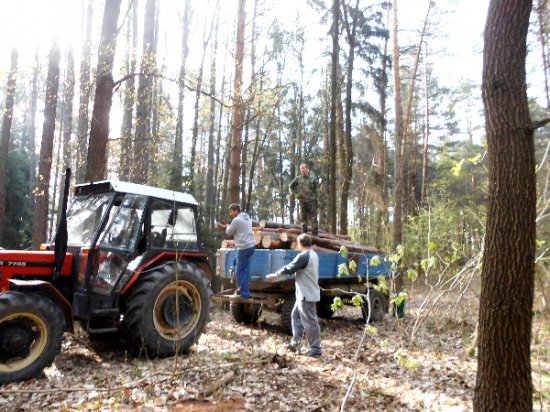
[(212, 163), (96, 160), (335, 91), (85, 87), (68, 96), (32, 132), (142, 140), (40, 221), (348, 165), (176, 174), (5, 140), (192, 164), (398, 185), (126, 144), (237, 119), (504, 381)]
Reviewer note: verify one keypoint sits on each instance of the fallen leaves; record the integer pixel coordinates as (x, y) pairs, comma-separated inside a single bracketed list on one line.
[(236, 368)]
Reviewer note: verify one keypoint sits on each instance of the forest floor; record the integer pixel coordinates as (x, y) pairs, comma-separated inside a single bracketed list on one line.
[(422, 362)]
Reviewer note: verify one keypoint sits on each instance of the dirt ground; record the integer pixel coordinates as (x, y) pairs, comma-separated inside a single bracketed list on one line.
[(417, 363)]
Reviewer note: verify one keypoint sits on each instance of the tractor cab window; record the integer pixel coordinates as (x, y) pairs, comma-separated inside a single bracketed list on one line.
[(172, 226), (85, 217), (124, 226)]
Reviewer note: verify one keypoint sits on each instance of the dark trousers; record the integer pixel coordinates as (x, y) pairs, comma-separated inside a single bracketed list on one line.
[(308, 215)]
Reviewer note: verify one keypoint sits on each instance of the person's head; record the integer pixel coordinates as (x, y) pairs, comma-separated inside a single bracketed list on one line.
[(304, 169), (234, 209), (304, 241)]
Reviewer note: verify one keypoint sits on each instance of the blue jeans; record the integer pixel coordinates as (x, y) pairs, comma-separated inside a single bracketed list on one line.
[(243, 257), (304, 319)]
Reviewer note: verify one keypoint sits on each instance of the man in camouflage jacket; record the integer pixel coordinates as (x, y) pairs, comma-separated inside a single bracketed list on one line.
[(306, 189)]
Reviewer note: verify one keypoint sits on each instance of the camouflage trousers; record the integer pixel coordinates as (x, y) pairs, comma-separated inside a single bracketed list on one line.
[(308, 215)]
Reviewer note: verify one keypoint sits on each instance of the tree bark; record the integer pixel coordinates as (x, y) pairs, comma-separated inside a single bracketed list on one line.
[(40, 220), (85, 86), (5, 140), (144, 97), (335, 91), (237, 119), (212, 163), (398, 184), (68, 96), (507, 279), (96, 160), (176, 174), (32, 129), (126, 144)]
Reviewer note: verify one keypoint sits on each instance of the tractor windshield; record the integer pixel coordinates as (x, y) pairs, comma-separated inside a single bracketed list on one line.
[(84, 218)]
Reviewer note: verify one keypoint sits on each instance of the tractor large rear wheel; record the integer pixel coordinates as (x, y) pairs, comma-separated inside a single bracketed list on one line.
[(31, 331), (167, 309)]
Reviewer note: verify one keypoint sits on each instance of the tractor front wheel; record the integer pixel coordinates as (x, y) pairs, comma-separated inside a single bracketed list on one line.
[(31, 331), (167, 309)]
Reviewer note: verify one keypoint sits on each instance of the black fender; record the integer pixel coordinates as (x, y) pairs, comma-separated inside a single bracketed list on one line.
[(49, 291)]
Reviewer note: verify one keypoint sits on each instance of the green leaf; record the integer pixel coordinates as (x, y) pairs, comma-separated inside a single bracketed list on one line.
[(375, 261), (343, 252), (352, 266), (456, 170), (357, 300), (399, 298), (342, 270), (412, 274), (382, 285), (432, 246), (336, 304)]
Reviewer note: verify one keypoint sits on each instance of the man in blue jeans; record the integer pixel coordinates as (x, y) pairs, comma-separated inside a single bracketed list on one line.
[(304, 315), (241, 230)]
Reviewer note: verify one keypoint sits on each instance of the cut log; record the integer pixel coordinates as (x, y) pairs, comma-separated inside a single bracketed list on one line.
[(227, 243), (272, 241), (276, 225)]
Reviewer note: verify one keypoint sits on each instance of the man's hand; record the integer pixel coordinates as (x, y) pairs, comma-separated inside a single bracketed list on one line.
[(271, 277), (220, 226)]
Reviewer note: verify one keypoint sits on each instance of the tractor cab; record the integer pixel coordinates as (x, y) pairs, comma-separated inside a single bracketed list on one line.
[(116, 229)]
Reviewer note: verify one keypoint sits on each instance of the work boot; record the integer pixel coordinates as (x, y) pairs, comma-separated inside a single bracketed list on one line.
[(304, 228)]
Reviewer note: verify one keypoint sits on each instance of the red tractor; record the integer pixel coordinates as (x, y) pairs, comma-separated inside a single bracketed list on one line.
[(127, 258)]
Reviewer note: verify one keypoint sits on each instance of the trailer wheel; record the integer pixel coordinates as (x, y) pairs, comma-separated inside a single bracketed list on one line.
[(246, 313), (324, 310), (376, 306), (167, 309), (31, 331), (286, 313)]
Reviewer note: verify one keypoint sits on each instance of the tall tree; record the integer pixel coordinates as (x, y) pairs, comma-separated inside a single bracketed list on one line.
[(144, 96), (85, 87), (126, 145), (237, 117), (195, 133), (96, 161), (31, 145), (398, 180), (176, 173), (507, 279), (212, 162), (351, 32), (5, 139), (67, 120), (46, 150), (334, 99)]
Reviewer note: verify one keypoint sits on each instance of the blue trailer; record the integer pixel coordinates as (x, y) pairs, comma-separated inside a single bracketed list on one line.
[(279, 296)]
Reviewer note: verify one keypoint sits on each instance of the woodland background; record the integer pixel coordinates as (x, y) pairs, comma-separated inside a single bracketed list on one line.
[(225, 99)]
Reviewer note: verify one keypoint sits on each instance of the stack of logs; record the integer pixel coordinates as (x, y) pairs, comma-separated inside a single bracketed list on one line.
[(273, 235)]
